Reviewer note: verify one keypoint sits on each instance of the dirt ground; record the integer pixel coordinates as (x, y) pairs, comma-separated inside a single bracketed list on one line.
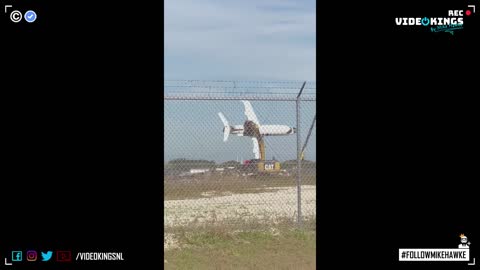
[(274, 204)]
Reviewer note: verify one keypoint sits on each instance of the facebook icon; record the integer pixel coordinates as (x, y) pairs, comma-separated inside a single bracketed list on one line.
[(16, 256)]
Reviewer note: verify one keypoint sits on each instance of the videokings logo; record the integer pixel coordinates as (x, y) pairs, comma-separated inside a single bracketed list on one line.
[(450, 23), (460, 254)]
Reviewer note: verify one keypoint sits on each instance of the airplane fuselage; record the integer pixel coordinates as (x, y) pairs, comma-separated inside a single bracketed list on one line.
[(250, 129)]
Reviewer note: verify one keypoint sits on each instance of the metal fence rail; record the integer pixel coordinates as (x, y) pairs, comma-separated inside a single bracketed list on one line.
[(246, 97), (236, 158)]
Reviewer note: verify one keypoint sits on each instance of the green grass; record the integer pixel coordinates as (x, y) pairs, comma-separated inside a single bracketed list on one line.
[(221, 248), (239, 244), (193, 188)]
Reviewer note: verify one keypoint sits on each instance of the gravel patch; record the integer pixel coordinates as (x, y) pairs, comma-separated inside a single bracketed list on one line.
[(169, 241), (275, 204)]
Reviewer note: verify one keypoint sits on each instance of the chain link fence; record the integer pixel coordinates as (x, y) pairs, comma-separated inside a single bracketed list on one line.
[(231, 153)]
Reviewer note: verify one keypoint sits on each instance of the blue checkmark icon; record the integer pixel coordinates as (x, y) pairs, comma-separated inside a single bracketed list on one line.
[(30, 16)]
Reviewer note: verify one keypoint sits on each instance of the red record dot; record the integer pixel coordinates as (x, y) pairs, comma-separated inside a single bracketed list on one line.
[(468, 12)]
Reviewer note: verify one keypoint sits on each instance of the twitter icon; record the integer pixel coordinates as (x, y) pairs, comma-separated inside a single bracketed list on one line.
[(46, 256)]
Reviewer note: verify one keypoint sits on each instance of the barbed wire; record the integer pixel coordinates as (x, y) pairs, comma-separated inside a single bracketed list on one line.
[(235, 89), (242, 81), (239, 97), (249, 92), (233, 85), (239, 87)]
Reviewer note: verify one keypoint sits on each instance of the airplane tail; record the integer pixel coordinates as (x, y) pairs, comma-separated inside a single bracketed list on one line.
[(226, 126)]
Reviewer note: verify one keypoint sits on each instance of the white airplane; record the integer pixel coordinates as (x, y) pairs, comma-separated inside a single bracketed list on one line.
[(252, 128)]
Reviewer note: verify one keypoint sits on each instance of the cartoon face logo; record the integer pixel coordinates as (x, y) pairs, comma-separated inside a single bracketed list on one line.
[(463, 242)]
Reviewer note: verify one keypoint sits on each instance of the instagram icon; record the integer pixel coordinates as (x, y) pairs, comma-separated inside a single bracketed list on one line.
[(31, 255)]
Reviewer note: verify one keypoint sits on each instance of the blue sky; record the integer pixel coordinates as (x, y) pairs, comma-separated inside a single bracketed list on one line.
[(240, 40), (236, 40)]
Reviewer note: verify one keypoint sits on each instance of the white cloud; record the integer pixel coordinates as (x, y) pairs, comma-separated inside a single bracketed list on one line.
[(214, 39)]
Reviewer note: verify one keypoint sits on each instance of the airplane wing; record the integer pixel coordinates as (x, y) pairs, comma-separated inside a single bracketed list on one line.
[(249, 113), (256, 149)]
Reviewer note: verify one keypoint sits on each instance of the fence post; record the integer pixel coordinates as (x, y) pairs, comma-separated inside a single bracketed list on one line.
[(299, 163)]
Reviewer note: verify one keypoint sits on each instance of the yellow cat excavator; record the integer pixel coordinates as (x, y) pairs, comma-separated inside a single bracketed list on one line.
[(262, 165), (273, 166), (252, 128)]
